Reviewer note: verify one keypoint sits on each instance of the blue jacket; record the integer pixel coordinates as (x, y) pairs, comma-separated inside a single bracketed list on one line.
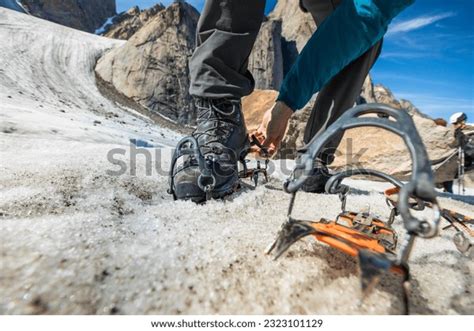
[(354, 27)]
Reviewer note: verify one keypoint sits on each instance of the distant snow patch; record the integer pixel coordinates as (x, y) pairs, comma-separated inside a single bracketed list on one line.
[(106, 25)]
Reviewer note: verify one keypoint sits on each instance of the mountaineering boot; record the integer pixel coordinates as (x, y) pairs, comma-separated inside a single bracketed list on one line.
[(317, 179), (185, 171), (209, 168)]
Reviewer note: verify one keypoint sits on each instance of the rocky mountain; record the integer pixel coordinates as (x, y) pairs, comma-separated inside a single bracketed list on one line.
[(297, 26), (282, 36), (152, 66), (85, 15), (266, 61), (126, 24)]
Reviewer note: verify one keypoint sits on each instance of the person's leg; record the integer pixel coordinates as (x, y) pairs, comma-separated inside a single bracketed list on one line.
[(448, 186), (338, 96), (226, 33), (341, 93)]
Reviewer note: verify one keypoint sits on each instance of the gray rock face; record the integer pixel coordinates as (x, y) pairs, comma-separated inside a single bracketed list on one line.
[(125, 25), (86, 15), (266, 60), (297, 26), (152, 66), (368, 94), (282, 36)]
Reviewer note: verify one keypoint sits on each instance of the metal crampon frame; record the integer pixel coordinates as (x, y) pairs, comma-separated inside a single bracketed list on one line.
[(373, 241), (189, 147), (259, 170)]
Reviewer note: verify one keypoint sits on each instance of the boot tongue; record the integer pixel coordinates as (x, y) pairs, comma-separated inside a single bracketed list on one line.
[(216, 120)]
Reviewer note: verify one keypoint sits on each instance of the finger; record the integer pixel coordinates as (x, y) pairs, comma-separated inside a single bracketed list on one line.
[(255, 150), (268, 141), (260, 136), (271, 141), (270, 152), (269, 148)]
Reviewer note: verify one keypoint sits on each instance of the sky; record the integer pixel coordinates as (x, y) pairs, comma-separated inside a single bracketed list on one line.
[(427, 57)]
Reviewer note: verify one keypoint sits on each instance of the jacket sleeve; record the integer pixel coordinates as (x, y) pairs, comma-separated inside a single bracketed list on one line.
[(354, 27)]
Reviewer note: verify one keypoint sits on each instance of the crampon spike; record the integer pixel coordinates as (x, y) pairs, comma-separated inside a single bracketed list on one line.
[(291, 232), (373, 266)]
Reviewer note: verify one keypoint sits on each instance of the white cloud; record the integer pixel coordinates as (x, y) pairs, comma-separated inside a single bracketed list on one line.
[(416, 23)]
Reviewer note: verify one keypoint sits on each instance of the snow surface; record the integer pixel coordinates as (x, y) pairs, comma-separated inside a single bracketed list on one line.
[(75, 239)]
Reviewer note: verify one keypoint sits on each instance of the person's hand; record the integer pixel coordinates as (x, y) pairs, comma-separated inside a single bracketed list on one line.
[(271, 131)]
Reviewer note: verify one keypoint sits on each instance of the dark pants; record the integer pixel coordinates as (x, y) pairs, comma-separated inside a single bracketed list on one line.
[(227, 31)]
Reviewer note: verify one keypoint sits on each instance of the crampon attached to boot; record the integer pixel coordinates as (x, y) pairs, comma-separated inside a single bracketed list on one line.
[(205, 165), (194, 171), (195, 174), (373, 241)]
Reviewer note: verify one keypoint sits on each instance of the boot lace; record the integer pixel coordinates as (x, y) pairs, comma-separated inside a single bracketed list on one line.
[(222, 126)]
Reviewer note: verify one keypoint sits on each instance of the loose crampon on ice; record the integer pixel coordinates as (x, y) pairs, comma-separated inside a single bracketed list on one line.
[(373, 241)]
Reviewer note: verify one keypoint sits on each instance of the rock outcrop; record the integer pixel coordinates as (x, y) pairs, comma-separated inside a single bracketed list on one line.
[(266, 59), (297, 26), (86, 15), (370, 147), (378, 149), (126, 24), (367, 95), (152, 66), (255, 105), (379, 93), (282, 36)]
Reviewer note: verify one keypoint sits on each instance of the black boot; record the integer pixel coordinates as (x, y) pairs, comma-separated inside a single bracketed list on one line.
[(317, 179), (210, 169)]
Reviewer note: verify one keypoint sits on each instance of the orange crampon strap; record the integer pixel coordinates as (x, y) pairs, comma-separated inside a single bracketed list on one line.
[(360, 231)]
